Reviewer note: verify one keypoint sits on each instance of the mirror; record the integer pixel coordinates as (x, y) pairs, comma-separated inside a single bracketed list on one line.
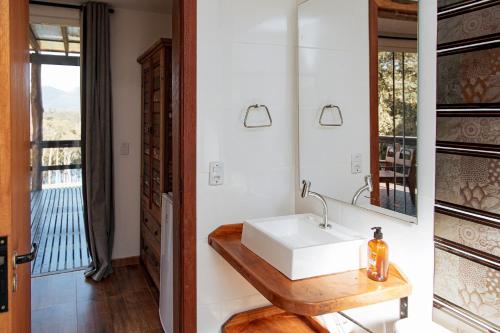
[(358, 92)]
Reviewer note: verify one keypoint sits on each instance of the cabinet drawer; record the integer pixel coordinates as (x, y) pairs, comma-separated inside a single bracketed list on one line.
[(150, 254), (152, 224), (152, 265), (150, 242)]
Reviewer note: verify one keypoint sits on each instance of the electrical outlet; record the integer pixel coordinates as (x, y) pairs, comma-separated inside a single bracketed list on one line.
[(216, 173), (125, 149), (356, 163)]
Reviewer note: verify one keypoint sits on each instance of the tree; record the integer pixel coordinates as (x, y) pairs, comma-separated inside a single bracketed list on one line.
[(398, 103)]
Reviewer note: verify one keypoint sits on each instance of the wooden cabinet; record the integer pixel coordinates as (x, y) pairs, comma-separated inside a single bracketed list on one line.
[(156, 161)]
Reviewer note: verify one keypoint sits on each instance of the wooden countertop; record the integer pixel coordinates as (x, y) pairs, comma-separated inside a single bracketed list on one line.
[(309, 297), (272, 319)]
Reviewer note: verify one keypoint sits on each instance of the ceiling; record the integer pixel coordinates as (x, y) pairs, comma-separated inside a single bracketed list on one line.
[(158, 6), (54, 38), (393, 27)]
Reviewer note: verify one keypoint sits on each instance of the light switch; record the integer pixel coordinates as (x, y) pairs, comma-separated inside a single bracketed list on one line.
[(356, 163), (125, 149), (216, 173)]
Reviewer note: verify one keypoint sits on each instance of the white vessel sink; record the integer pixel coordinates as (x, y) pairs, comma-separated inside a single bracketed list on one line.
[(297, 247)]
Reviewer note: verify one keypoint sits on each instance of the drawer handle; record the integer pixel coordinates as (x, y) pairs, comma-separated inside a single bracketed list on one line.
[(156, 233)]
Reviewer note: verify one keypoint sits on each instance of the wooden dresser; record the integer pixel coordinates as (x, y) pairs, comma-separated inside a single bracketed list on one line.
[(156, 167)]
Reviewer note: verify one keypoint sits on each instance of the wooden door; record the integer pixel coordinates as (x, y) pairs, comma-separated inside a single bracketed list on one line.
[(14, 159)]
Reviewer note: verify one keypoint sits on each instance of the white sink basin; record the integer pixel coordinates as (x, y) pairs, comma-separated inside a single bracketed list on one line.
[(297, 247)]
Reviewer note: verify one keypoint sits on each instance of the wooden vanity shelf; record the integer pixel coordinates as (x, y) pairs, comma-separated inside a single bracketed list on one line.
[(272, 319), (308, 297)]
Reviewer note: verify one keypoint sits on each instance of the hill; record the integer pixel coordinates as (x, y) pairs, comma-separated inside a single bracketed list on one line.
[(59, 100)]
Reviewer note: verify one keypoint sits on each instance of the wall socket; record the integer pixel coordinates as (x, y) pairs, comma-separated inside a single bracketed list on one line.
[(216, 173), (356, 163), (125, 149)]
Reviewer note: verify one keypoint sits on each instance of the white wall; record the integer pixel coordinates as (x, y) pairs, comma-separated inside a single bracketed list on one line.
[(334, 69), (246, 55), (132, 33), (411, 246)]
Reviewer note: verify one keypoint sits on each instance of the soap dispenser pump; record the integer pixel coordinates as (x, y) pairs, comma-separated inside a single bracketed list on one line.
[(378, 257)]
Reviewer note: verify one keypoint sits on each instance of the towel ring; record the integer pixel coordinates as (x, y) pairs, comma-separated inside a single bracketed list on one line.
[(333, 108), (255, 107)]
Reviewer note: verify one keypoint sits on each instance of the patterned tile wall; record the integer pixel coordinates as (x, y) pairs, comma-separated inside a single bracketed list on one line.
[(467, 255), (470, 285), (470, 25), (473, 235), (469, 78), (469, 181), (482, 130)]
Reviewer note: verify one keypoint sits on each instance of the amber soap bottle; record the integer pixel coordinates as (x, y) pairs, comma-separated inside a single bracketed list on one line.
[(378, 257)]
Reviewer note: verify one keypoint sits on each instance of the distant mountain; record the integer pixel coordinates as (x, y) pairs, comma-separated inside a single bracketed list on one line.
[(59, 100)]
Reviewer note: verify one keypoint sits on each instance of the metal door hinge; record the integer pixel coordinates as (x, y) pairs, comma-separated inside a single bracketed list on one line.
[(4, 276), (403, 307)]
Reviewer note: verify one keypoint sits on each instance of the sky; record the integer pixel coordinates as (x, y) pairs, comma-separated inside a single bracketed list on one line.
[(65, 78)]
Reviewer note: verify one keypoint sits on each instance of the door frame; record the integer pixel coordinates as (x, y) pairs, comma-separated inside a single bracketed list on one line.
[(14, 159), (184, 140), (184, 19)]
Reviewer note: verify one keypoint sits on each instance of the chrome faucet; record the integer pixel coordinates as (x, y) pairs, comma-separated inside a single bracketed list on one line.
[(368, 187), (306, 192)]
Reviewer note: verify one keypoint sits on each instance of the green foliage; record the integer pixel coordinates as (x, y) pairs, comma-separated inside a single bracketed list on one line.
[(396, 103)]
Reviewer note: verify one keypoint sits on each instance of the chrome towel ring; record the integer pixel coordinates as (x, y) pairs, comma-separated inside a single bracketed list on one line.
[(334, 108), (256, 107)]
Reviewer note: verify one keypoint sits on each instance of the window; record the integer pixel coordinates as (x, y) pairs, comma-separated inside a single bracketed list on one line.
[(55, 107)]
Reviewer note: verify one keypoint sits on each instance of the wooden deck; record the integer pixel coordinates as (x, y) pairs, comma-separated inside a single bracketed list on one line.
[(57, 226)]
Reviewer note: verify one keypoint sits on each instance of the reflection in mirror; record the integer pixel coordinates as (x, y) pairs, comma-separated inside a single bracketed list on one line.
[(393, 41)]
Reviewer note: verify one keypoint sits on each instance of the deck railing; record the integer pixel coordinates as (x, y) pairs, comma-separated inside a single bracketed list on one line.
[(60, 162)]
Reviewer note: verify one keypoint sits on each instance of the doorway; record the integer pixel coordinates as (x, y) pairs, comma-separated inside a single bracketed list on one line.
[(57, 224), (16, 154)]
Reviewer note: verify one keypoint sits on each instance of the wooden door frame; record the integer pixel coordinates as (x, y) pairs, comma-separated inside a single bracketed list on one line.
[(14, 158), (184, 163), (374, 119)]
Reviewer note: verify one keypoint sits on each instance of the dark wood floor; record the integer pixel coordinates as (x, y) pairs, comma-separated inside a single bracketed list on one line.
[(67, 303), (57, 227)]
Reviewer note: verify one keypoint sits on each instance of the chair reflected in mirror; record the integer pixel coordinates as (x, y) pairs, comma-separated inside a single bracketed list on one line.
[(397, 171)]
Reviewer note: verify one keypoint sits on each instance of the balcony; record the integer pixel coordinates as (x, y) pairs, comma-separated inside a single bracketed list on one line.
[(398, 194), (57, 223)]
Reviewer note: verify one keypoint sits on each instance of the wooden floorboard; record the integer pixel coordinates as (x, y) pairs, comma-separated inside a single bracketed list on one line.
[(122, 303), (57, 227)]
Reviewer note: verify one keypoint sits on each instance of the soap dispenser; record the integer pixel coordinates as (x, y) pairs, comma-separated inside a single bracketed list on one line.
[(378, 257)]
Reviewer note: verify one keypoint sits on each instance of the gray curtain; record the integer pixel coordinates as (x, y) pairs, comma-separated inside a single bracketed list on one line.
[(97, 154)]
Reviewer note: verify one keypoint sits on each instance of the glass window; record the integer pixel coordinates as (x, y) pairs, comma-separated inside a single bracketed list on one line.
[(74, 47), (74, 34), (61, 102), (51, 46), (50, 38), (46, 31)]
